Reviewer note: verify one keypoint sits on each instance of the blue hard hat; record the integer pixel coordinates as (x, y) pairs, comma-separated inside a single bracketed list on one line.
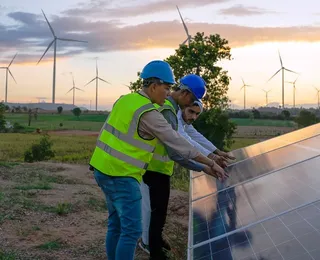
[(195, 84), (158, 69)]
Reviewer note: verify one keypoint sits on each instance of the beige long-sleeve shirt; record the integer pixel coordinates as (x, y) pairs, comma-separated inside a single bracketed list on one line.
[(153, 124)]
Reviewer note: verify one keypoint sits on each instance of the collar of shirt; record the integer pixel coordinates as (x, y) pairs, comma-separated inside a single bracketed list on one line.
[(180, 118)]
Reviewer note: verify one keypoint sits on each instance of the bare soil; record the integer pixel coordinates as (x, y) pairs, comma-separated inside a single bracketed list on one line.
[(261, 131), (57, 211)]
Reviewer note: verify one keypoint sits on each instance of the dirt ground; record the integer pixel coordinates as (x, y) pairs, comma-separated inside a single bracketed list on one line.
[(261, 131), (74, 132), (57, 211)]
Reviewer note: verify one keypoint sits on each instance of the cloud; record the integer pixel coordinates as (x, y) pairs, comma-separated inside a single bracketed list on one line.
[(109, 9), (241, 10), (31, 36)]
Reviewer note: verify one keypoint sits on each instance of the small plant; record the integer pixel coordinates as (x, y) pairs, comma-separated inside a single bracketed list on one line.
[(40, 152), (63, 208), (52, 245), (17, 128)]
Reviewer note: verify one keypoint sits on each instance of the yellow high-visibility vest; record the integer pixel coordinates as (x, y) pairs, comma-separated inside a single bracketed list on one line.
[(120, 151)]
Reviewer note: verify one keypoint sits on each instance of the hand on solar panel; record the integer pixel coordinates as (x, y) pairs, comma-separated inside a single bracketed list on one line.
[(216, 171), (227, 156), (221, 161)]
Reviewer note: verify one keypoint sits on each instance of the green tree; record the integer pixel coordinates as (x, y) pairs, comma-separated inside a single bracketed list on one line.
[(256, 114), (285, 114), (2, 117), (59, 109), (200, 58), (215, 125), (76, 111), (306, 118)]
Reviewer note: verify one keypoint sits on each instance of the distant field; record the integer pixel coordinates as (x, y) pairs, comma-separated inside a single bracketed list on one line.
[(52, 121), (262, 122)]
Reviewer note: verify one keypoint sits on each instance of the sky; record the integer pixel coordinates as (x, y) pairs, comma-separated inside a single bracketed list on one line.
[(124, 35)]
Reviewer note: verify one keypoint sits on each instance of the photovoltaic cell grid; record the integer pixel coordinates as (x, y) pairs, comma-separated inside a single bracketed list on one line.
[(222, 222), (291, 236), (258, 166)]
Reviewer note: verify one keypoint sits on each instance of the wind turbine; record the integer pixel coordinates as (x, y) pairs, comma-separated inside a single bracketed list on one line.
[(267, 92), (8, 72), (282, 69), (294, 90), (244, 92), (185, 28), (318, 94), (73, 88), (54, 42), (97, 78)]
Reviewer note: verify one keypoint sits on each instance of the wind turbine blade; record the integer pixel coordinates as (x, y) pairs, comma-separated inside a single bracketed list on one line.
[(274, 75), (70, 40), (89, 82), (104, 80), (12, 60), (184, 25), (12, 76), (185, 41), (79, 89), (46, 50), (291, 71), (69, 90), (280, 59), (3, 67), (242, 87), (242, 81), (48, 24)]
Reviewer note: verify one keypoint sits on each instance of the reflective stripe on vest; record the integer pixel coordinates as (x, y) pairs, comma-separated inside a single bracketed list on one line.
[(161, 162), (120, 151)]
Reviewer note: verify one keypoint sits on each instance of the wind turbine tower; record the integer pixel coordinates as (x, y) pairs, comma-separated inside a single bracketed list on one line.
[(97, 78), (267, 92), (282, 69), (185, 28), (318, 94), (54, 42), (8, 72), (244, 87), (294, 91), (74, 89)]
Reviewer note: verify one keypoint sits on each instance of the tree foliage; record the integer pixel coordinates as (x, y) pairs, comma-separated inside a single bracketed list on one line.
[(306, 118), (76, 111), (2, 117), (59, 109), (214, 124)]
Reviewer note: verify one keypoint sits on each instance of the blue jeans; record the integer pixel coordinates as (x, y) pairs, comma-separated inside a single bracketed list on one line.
[(125, 221)]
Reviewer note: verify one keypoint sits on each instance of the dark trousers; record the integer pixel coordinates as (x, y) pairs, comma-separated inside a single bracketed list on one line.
[(159, 189)]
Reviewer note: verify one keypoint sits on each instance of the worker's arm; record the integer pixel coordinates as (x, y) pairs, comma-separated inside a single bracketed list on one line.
[(189, 164), (182, 131), (153, 123)]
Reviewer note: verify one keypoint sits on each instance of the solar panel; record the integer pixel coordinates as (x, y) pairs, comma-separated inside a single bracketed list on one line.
[(268, 209), (277, 142)]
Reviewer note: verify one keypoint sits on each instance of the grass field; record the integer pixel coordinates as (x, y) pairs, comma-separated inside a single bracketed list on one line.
[(93, 122), (87, 122), (262, 122)]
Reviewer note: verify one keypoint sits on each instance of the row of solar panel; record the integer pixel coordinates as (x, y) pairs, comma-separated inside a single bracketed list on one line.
[(279, 177)]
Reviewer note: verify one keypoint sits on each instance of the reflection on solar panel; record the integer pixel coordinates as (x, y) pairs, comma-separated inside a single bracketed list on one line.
[(269, 208), (276, 142), (259, 165)]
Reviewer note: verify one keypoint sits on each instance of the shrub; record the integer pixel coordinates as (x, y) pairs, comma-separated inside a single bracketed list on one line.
[(40, 152)]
